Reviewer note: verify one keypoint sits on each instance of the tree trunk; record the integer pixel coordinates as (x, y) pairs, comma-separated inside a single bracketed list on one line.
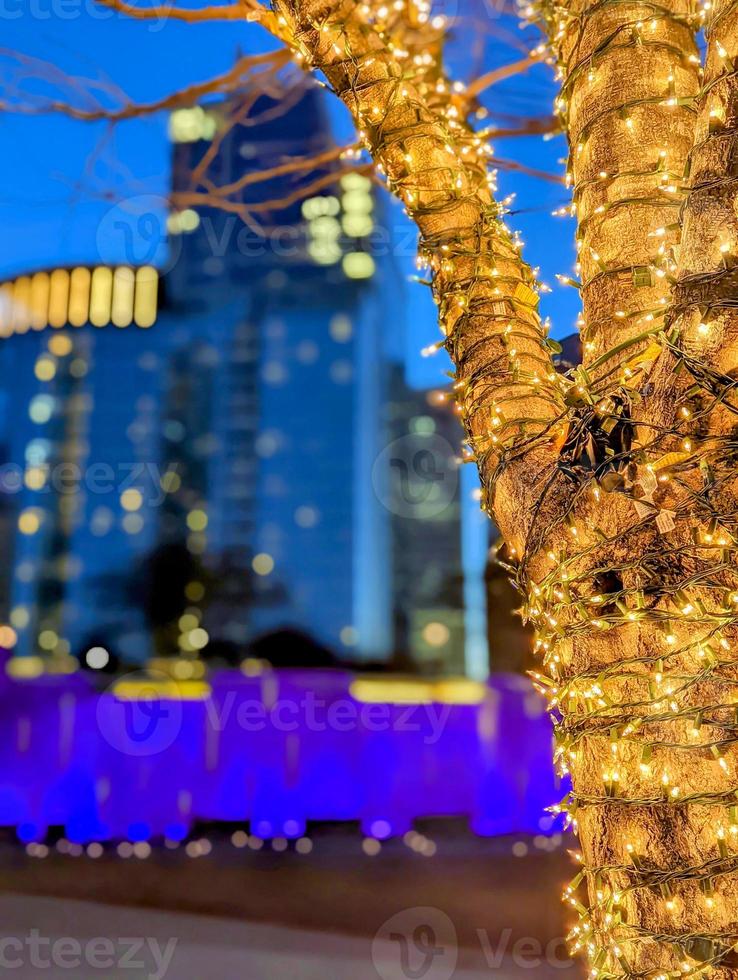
[(614, 490)]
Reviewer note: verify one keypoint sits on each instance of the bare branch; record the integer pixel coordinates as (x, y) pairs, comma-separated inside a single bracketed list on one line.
[(224, 84)]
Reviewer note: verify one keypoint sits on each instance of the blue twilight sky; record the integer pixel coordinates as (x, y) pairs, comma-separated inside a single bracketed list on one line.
[(49, 216)]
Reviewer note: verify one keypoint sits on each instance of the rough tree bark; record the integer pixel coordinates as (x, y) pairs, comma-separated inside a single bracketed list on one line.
[(615, 489)]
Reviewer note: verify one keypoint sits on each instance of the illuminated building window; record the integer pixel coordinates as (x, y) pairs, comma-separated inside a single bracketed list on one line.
[(121, 312), (45, 367), (358, 265), (325, 228), (355, 182), (79, 296), (37, 451), (198, 638), (29, 521), (341, 328), (196, 543), (274, 373), (349, 636), (25, 571), (306, 516), (101, 296), (147, 289), (78, 368), (21, 314), (263, 564), (48, 640), (131, 499), (267, 443), (189, 621), (101, 521), (197, 520), (35, 477), (191, 125), (183, 221), (195, 591), (58, 298), (25, 667), (357, 224), (422, 425), (173, 430), (319, 207), (20, 617), (324, 252), (170, 482), (60, 345), (39, 301), (41, 408), (436, 634), (6, 309), (357, 203), (133, 523)]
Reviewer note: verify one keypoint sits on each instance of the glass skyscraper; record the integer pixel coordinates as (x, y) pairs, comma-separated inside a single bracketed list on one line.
[(197, 457)]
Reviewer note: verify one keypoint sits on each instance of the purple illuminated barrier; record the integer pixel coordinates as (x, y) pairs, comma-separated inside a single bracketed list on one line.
[(275, 750)]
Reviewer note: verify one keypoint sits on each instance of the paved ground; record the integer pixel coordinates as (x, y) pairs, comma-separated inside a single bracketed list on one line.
[(85, 941), (473, 910)]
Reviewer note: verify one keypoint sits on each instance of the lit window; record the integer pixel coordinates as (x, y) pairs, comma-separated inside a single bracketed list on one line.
[(274, 373), (316, 207), (306, 516), (197, 520), (341, 328), (436, 634), (422, 425), (41, 409), (19, 617), (190, 125), (356, 224), (101, 296), (170, 481), (29, 520), (35, 477), (358, 265), (101, 521), (48, 639), (133, 523), (37, 451), (45, 368), (131, 499), (60, 345), (263, 564), (355, 182), (358, 202)]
